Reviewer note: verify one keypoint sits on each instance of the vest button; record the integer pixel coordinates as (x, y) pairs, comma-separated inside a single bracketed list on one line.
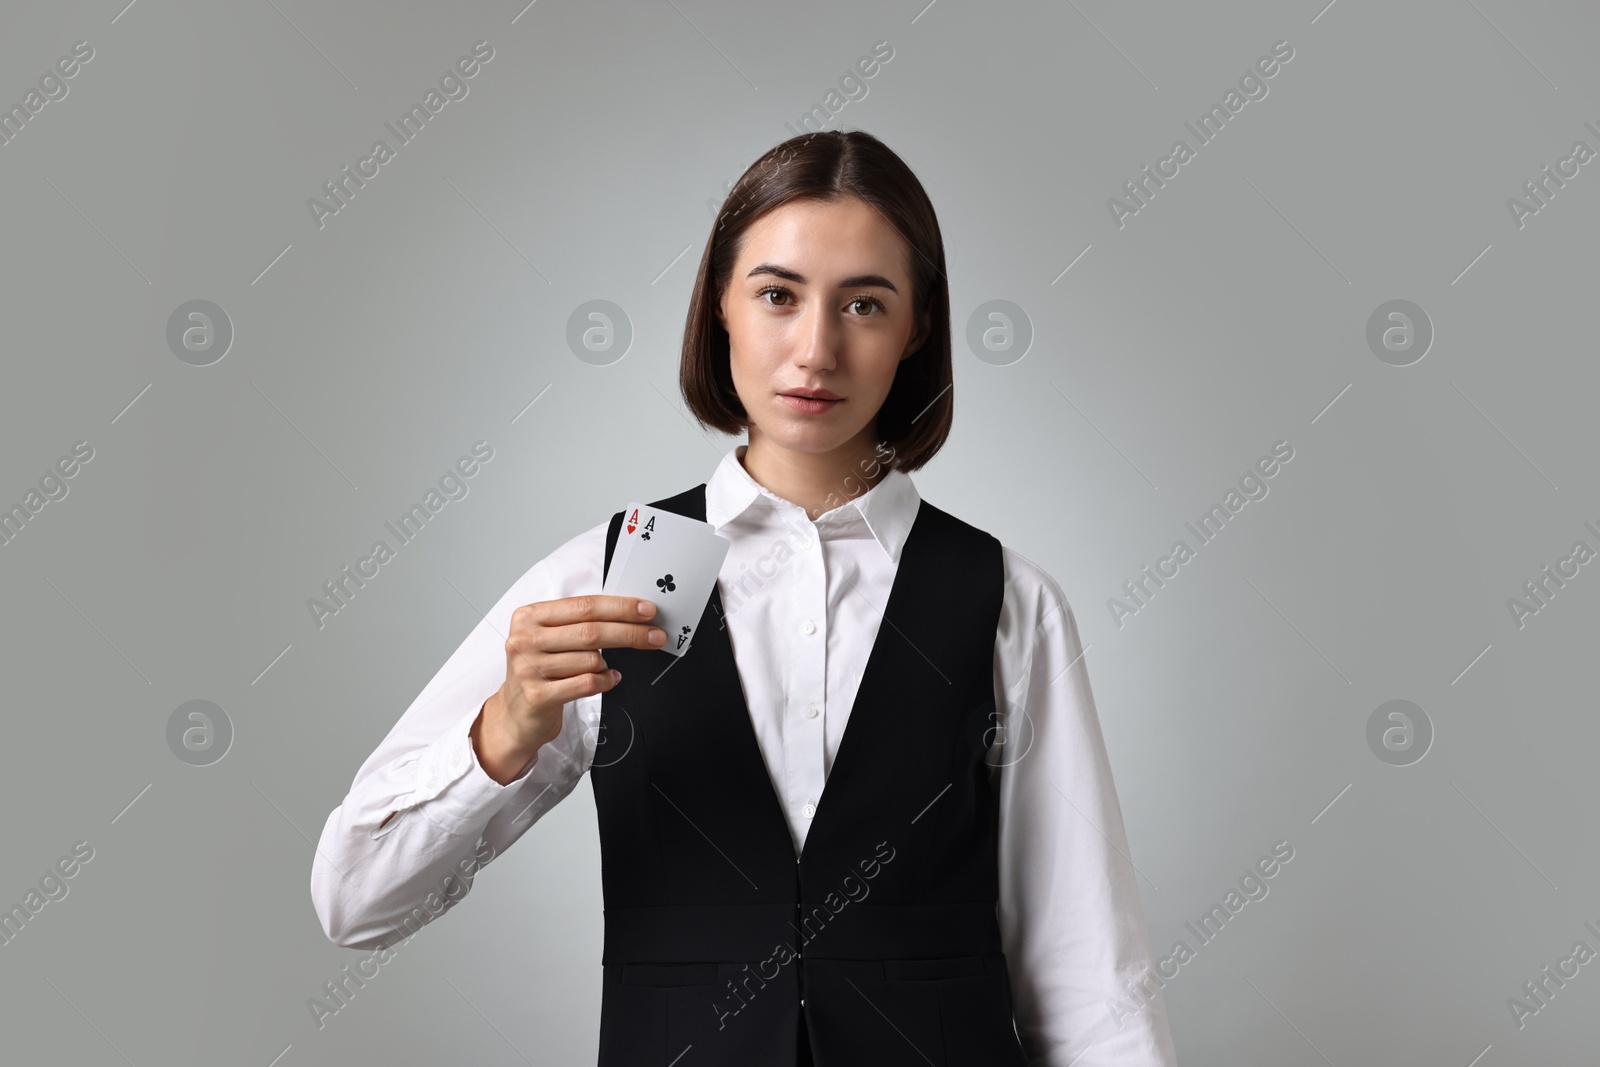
[(808, 628)]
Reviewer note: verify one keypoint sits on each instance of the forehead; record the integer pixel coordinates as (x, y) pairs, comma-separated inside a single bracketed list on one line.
[(819, 238)]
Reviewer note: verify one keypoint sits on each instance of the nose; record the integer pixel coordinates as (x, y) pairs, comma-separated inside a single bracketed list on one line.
[(818, 341)]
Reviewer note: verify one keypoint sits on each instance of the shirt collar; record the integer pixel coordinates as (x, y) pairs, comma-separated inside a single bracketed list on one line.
[(888, 509)]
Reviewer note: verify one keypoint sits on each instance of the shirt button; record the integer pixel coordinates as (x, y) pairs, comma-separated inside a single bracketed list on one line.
[(808, 628), (456, 760), (810, 810), (810, 712)]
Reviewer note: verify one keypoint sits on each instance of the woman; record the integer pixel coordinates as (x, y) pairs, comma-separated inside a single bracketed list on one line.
[(959, 891)]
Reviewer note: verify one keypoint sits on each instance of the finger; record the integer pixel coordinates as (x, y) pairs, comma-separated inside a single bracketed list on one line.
[(554, 666), (523, 653), (596, 606), (600, 634), (582, 685)]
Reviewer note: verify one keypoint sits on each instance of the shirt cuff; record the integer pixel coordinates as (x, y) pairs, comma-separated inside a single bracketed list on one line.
[(452, 789)]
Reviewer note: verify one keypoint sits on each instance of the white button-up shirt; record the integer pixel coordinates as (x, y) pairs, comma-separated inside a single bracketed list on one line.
[(803, 603)]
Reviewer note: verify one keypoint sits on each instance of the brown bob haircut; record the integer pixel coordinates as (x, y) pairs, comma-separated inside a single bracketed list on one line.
[(916, 415)]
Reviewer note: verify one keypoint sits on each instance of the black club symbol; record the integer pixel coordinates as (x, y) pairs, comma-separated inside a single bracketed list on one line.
[(645, 536), (666, 584), (686, 629)]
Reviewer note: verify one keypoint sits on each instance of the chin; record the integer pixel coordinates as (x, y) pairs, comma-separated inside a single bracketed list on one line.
[(813, 440), (804, 441)]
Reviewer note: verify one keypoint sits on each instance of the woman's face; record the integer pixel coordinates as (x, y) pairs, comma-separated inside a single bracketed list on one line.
[(820, 299)]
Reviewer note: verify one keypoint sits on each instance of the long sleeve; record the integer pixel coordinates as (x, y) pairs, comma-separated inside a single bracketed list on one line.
[(376, 879), (1072, 923)]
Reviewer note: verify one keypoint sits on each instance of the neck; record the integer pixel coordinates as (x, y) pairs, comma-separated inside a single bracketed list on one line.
[(815, 481)]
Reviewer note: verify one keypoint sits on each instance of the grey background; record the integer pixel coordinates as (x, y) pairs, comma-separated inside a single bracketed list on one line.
[(1228, 314)]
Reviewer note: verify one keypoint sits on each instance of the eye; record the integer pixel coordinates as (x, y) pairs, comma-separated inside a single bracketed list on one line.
[(865, 298), (774, 289)]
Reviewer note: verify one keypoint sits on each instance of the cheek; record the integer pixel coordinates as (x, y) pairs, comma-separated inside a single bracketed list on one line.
[(742, 332), (747, 366), (756, 344), (742, 348), (736, 369)]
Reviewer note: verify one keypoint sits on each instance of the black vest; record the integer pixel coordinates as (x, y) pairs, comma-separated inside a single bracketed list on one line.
[(882, 939)]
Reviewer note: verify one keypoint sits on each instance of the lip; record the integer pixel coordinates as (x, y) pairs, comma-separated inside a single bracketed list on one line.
[(807, 405), (813, 394)]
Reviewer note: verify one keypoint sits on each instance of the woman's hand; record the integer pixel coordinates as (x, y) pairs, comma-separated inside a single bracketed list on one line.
[(552, 656)]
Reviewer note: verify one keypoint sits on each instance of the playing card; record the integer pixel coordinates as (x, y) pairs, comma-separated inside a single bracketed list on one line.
[(673, 562), (639, 523), (632, 529)]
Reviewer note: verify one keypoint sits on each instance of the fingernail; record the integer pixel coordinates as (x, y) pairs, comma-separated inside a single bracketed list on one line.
[(616, 676), (645, 607), (658, 637)]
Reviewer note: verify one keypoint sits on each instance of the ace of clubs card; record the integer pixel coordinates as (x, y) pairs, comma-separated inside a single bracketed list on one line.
[(673, 562)]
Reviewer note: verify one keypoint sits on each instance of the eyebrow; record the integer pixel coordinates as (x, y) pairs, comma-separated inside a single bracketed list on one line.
[(844, 283)]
